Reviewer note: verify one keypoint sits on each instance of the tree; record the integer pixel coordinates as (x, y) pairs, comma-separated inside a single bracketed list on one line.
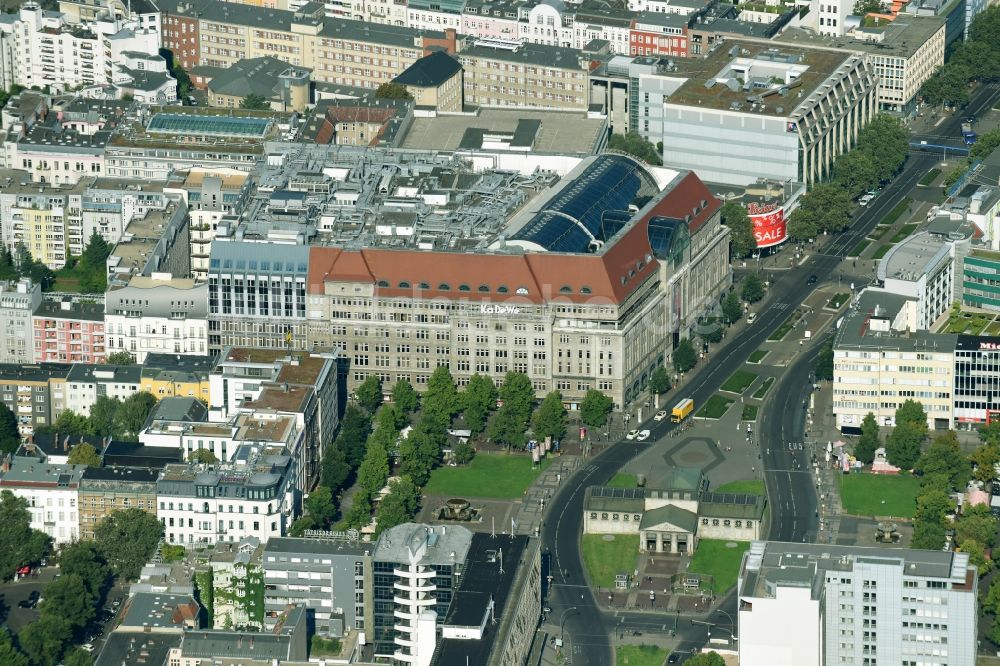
[(10, 437), (684, 355), (319, 505), (131, 415), (355, 428), (944, 457), (991, 604), (203, 456), (636, 146), (391, 90), (67, 423), (183, 80), (404, 397), (993, 633), (928, 527), (886, 143), (120, 358), (45, 639), (855, 172), (10, 655), (977, 556), (976, 523), (360, 513), (732, 309), (659, 380), (84, 454), (441, 398), (550, 418), (826, 207), (753, 289), (507, 427), (77, 657), (369, 393), (84, 560), (67, 597), (255, 102), (334, 469), (984, 461), (92, 266), (8, 269), (102, 416), (802, 225), (913, 412), (463, 452), (903, 445), (374, 468), (741, 238), (824, 362), (594, 408), (985, 144), (706, 659), (864, 450), (399, 506), (127, 539), (517, 392), (21, 546), (477, 400), (862, 7)]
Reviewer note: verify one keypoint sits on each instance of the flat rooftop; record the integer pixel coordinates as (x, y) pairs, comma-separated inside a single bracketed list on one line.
[(559, 132), (818, 64), (278, 546), (917, 255), (203, 125), (127, 647), (902, 37)]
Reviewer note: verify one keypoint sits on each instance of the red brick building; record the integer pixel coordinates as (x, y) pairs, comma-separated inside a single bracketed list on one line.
[(68, 332), (656, 34)]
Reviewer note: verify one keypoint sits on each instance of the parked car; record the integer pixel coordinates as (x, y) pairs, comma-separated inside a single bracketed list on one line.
[(89, 647), (24, 603), (752, 317), (643, 435), (632, 434), (660, 415), (865, 200)]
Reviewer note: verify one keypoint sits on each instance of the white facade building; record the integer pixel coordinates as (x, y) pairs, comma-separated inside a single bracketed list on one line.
[(825, 605), (18, 301), (51, 491), (201, 504), (922, 267), (86, 383), (157, 314)]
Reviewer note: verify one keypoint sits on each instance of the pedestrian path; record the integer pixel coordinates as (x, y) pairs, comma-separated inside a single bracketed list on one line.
[(529, 514)]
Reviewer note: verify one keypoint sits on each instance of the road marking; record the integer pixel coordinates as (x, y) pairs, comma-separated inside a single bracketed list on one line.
[(943, 118)]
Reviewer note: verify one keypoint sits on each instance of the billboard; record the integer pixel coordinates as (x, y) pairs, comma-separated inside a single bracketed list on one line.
[(768, 222)]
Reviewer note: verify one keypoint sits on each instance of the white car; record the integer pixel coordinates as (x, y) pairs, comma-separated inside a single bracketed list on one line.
[(88, 647), (660, 415), (632, 434), (752, 317), (643, 435)]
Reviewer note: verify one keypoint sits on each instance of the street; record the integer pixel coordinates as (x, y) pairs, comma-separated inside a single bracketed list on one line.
[(586, 628)]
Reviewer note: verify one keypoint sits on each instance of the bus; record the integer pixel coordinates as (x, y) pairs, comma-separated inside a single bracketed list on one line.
[(682, 410)]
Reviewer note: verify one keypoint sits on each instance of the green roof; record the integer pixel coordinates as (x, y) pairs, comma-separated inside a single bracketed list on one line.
[(674, 515), (731, 505)]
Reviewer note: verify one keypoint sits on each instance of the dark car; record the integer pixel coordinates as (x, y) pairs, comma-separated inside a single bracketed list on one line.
[(24, 603), (673, 658), (813, 279)]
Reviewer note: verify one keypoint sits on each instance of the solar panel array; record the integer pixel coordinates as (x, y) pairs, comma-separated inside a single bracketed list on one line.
[(227, 126)]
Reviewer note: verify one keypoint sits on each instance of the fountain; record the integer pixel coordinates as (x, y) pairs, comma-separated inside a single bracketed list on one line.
[(457, 509)]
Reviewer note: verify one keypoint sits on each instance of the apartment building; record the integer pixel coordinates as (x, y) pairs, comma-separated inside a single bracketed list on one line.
[(18, 301), (659, 34), (828, 604), (44, 219), (331, 575), (86, 383), (35, 393), (253, 497), (923, 268), (236, 576), (211, 195), (177, 375), (51, 492), (507, 73), (103, 490), (68, 331), (158, 314)]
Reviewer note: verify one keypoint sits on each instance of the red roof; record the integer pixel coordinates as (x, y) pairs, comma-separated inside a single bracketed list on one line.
[(689, 197)]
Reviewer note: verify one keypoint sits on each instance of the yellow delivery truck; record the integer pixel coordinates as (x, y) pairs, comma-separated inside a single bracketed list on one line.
[(682, 410)]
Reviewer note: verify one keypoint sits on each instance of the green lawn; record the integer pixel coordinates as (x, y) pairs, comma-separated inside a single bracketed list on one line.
[(639, 655), (739, 381), (496, 476), (972, 323), (622, 480), (714, 558), (747, 487), (786, 327), (881, 251), (903, 233), (762, 391), (859, 247), (879, 494), (930, 176), (715, 407), (894, 214), (878, 232), (604, 559), (66, 285), (749, 412), (837, 300), (758, 356)]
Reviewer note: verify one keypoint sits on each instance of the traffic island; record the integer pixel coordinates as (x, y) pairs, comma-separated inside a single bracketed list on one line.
[(739, 381), (715, 408)]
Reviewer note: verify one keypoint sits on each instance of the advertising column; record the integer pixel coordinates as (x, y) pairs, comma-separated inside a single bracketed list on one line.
[(769, 226)]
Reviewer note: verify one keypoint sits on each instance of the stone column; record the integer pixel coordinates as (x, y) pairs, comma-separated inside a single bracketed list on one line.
[(673, 542)]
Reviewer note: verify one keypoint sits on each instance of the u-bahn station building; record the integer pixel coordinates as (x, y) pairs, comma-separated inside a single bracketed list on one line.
[(585, 281)]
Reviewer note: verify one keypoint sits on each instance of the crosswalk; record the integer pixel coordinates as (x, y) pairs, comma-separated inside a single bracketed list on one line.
[(780, 306)]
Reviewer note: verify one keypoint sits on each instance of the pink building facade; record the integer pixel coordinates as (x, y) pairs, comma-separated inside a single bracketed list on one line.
[(68, 332)]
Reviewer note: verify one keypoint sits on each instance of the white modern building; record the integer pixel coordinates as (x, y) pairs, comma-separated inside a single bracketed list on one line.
[(826, 605), (158, 314), (51, 491), (87, 382), (922, 267), (252, 497), (18, 300)]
